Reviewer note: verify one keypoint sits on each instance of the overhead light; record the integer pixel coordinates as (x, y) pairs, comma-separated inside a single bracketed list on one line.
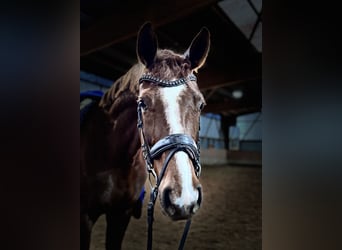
[(237, 94)]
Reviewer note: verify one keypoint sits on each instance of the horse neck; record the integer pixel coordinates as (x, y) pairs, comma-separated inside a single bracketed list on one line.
[(120, 104), (128, 83), (122, 133), (111, 135)]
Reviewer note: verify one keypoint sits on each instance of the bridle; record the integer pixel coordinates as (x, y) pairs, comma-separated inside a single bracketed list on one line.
[(172, 143)]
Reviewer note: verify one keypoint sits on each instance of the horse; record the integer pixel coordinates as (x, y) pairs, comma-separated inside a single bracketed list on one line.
[(160, 96)]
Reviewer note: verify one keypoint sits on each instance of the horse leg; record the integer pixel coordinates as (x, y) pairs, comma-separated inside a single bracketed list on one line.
[(85, 233), (116, 228)]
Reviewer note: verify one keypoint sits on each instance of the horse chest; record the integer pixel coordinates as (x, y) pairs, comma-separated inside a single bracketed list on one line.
[(108, 191)]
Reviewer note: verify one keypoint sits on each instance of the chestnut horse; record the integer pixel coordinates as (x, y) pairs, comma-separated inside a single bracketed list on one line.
[(116, 156)]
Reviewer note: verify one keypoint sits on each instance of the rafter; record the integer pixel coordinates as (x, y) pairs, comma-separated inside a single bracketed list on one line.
[(108, 30)]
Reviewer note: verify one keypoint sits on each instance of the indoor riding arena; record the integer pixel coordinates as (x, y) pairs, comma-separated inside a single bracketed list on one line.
[(230, 215)]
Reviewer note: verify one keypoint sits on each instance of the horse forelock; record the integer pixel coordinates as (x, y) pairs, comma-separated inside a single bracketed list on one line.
[(169, 65)]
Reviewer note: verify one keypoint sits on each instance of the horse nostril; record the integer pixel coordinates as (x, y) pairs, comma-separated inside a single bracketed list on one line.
[(166, 197), (199, 200), (193, 208)]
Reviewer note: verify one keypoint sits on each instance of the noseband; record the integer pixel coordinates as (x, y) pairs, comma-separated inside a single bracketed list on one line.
[(172, 143)]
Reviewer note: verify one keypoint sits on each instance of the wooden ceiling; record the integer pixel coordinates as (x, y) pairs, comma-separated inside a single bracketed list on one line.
[(108, 39)]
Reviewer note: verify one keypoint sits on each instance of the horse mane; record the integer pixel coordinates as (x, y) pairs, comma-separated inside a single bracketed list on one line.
[(167, 65), (126, 83)]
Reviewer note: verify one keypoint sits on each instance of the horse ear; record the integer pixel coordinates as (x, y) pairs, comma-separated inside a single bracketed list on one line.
[(147, 44), (198, 49)]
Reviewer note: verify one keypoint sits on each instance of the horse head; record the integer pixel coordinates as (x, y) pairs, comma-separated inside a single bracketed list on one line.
[(169, 104)]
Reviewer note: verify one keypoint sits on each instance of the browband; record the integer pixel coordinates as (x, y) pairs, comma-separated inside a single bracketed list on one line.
[(166, 83)]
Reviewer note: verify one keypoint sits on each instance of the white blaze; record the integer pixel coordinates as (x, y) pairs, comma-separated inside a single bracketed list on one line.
[(170, 98)]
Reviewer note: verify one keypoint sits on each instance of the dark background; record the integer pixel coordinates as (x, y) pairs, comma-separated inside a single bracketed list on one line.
[(40, 126)]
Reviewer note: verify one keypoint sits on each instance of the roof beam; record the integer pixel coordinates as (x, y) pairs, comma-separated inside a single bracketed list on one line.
[(212, 76), (109, 30)]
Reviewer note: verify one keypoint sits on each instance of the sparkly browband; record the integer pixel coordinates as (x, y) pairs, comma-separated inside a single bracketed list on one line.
[(166, 83)]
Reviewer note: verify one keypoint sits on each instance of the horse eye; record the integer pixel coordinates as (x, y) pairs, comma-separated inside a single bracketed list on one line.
[(201, 106)]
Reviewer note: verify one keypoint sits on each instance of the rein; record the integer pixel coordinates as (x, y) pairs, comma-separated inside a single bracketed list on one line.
[(173, 143)]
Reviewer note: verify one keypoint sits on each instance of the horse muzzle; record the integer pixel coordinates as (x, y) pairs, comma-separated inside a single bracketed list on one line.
[(183, 207)]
